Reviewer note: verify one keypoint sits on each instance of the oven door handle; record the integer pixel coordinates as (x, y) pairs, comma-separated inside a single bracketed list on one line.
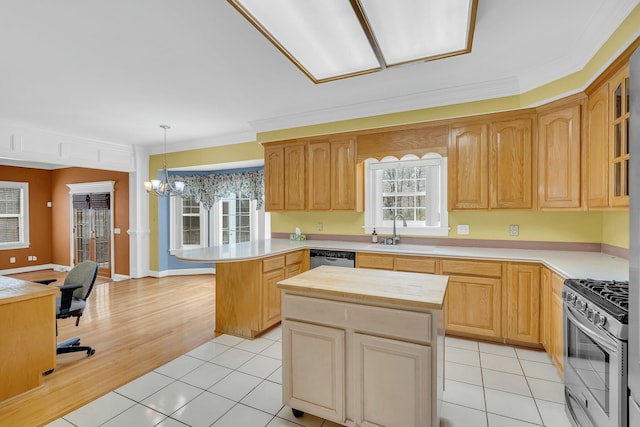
[(597, 338)]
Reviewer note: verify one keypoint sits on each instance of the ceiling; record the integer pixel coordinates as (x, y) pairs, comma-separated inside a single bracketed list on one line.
[(115, 70)]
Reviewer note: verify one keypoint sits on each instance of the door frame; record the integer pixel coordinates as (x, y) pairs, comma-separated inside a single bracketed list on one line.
[(92, 187)]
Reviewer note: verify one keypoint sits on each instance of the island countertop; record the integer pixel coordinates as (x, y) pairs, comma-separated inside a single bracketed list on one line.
[(594, 265), (425, 291)]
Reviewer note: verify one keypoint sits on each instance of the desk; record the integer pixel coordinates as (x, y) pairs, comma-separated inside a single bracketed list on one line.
[(27, 334)]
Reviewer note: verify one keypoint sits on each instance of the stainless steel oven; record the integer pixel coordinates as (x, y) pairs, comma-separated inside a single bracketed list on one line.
[(595, 348)]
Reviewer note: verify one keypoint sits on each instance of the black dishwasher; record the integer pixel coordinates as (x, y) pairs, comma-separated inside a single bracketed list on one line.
[(329, 257)]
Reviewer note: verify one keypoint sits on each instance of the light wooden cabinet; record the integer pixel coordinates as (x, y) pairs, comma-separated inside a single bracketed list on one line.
[(384, 399), (467, 167), (374, 260), (523, 303), (356, 363), (598, 148), (559, 158), (248, 300), (556, 323), (314, 377), (473, 304), (619, 137), (511, 164), (343, 174), (545, 309), (274, 178), (319, 175), (285, 176)]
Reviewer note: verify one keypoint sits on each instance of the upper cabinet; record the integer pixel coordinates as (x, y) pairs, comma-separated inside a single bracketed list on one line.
[(608, 143), (468, 172), (491, 164), (318, 174), (619, 167), (511, 164), (285, 178), (559, 157)]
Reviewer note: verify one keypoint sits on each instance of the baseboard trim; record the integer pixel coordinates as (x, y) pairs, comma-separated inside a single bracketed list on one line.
[(54, 267)]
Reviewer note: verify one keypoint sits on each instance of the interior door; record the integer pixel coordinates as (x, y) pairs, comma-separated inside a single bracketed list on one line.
[(92, 230)]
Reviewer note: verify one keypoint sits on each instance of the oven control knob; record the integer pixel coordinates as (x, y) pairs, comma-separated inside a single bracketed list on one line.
[(599, 319), (590, 315), (582, 306)]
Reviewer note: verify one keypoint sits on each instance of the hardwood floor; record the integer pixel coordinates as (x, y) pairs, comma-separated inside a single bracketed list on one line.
[(135, 326)]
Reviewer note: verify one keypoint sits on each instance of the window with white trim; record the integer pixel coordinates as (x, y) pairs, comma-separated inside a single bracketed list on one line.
[(411, 187), (189, 224), (14, 215)]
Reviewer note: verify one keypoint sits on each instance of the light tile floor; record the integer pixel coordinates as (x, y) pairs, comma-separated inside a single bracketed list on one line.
[(230, 381)]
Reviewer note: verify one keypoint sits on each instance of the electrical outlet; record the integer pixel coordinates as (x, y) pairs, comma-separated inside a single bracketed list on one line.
[(12, 260), (463, 229), (34, 258), (319, 226), (514, 230), (29, 258)]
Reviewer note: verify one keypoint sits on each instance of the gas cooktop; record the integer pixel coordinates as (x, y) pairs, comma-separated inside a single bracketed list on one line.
[(611, 296)]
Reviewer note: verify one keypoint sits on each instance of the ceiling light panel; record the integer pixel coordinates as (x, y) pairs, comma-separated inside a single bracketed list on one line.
[(416, 30), (324, 38)]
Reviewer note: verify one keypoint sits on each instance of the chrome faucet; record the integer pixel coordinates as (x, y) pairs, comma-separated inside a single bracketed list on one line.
[(395, 239)]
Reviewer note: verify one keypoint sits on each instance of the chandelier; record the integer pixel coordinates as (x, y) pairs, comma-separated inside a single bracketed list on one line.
[(165, 187)]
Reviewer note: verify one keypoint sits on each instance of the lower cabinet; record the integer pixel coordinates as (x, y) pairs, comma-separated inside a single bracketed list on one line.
[(343, 361), (473, 303), (523, 303), (556, 322)]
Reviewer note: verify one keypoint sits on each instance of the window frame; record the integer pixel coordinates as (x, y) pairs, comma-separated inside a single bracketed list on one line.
[(373, 196), (176, 226), (23, 217)]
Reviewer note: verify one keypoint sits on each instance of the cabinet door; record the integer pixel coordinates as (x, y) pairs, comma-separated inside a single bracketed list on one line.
[(343, 174), (319, 174), (511, 164), (468, 172), (313, 369), (473, 306), (271, 298), (559, 158), (598, 148), (274, 178), (523, 303), (393, 382), (545, 309), (295, 180), (556, 331), (619, 87), (377, 261)]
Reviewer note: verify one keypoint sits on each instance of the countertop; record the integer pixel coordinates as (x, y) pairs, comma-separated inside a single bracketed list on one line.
[(574, 264), (425, 291), (14, 290)]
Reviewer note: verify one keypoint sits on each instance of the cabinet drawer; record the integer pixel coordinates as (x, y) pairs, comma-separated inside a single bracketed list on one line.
[(379, 261), (294, 258), (473, 268), (381, 321), (415, 264), (273, 263)]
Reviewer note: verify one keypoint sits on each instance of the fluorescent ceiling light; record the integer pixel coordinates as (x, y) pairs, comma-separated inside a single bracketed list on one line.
[(333, 39)]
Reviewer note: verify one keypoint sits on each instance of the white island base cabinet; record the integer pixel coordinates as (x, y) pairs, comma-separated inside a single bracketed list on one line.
[(359, 364)]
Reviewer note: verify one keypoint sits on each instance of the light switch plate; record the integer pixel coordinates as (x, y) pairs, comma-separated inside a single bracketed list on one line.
[(463, 229)]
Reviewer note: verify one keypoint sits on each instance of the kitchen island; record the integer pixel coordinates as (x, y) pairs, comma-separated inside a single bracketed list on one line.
[(364, 347)]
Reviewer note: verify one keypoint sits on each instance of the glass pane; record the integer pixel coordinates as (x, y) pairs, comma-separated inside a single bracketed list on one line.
[(617, 179), (421, 214), (9, 229), (10, 200), (225, 208), (626, 95), (244, 205), (617, 102), (406, 201), (626, 137), (406, 186), (225, 222), (617, 140), (421, 201), (388, 214), (626, 177), (388, 186), (388, 201)]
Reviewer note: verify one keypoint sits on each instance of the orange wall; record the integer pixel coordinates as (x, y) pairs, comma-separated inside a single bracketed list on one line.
[(39, 217), (61, 216)]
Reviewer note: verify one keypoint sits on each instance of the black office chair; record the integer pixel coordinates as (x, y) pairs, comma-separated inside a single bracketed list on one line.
[(73, 299)]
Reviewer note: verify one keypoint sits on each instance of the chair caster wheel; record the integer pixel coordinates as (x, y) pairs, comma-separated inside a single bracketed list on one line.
[(91, 351), (50, 371), (297, 413)]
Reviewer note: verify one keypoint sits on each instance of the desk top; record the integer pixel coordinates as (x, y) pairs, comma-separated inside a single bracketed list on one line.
[(425, 291), (14, 290)]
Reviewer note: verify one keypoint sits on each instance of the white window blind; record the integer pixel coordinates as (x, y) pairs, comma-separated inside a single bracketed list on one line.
[(14, 223)]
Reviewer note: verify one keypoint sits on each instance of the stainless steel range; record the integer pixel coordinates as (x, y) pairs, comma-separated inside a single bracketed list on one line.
[(595, 351)]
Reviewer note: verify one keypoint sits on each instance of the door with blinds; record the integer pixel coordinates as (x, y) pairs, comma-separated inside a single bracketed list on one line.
[(91, 233)]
